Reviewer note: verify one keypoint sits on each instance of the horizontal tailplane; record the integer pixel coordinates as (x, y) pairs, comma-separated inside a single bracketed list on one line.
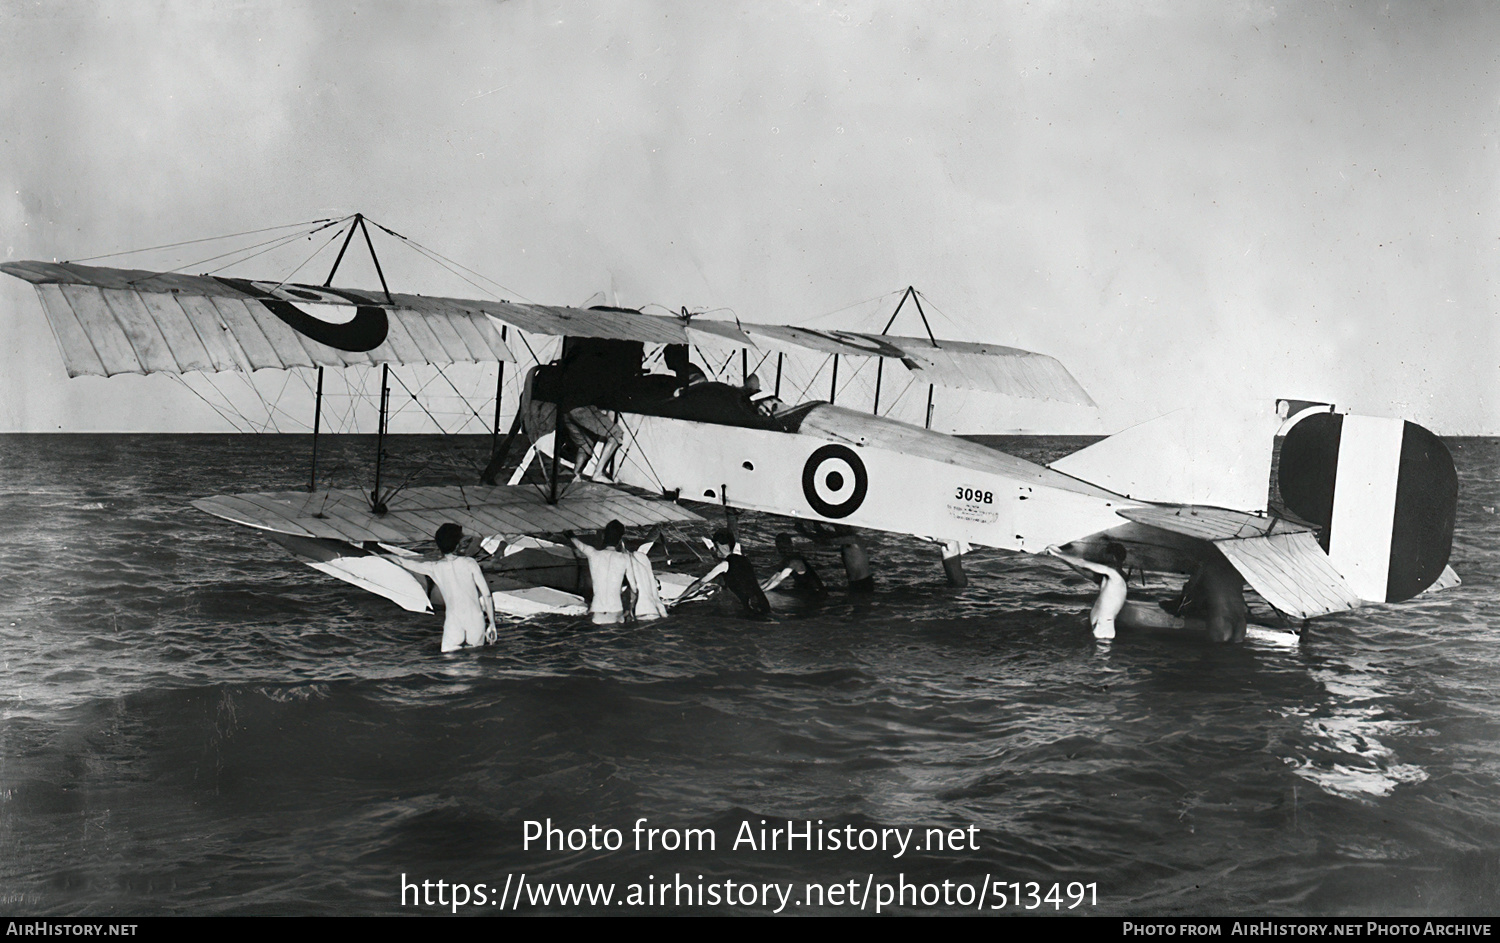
[(1292, 573)]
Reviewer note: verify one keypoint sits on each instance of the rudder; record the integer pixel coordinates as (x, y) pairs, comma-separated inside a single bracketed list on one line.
[(1383, 491)]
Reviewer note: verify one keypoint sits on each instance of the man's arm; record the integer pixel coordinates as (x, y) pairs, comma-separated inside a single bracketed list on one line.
[(410, 563), (1079, 563), (772, 582), (582, 547), (632, 588), (698, 583), (487, 600)]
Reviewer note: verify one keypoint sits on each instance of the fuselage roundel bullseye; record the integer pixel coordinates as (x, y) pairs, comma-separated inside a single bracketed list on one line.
[(834, 481)]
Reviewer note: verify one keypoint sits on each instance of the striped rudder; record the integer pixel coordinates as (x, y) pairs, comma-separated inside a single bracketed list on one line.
[(1383, 492)]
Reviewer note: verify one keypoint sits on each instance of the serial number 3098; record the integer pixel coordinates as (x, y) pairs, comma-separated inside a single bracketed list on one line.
[(974, 495)]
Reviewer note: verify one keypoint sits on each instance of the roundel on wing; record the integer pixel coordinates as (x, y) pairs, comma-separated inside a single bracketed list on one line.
[(834, 481), (876, 346), (365, 331)]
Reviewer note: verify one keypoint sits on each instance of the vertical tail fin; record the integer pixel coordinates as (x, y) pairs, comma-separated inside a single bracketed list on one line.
[(1384, 492)]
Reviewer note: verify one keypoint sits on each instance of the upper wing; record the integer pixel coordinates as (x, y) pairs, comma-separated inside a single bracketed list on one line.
[(110, 321), (416, 513), (959, 364)]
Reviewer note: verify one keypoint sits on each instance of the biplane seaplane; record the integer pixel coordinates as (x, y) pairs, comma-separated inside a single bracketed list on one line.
[(1361, 510)]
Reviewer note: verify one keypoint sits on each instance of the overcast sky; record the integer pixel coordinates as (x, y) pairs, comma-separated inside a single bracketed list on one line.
[(1179, 200)]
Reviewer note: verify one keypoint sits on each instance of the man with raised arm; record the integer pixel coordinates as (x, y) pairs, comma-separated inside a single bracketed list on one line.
[(470, 618), (1111, 593), (648, 604), (609, 571)]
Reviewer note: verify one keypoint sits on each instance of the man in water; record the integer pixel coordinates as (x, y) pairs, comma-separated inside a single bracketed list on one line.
[(1216, 595), (1111, 593), (648, 604), (805, 579), (738, 575), (470, 618), (1213, 600), (609, 571)]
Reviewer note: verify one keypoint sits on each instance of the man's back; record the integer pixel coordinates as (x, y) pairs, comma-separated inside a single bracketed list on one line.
[(740, 579), (608, 571), (1216, 593), (648, 604), (464, 589)]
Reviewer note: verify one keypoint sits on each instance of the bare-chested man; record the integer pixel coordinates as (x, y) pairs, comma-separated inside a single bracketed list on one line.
[(805, 579), (1216, 595), (1111, 593), (470, 618), (648, 604), (609, 571)]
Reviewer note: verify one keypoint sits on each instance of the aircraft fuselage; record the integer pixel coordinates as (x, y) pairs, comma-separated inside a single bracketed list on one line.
[(846, 467)]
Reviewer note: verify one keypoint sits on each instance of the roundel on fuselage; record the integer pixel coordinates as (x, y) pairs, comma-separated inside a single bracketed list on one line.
[(834, 481)]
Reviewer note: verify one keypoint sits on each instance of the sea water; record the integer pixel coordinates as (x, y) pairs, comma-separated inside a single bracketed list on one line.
[(193, 723)]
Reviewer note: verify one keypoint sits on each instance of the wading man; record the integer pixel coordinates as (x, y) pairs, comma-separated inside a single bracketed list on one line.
[(609, 571), (738, 575), (1111, 593), (470, 618)]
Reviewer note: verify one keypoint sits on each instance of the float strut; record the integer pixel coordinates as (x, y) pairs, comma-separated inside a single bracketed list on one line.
[(953, 563), (312, 477), (499, 391), (497, 457), (376, 504), (558, 436)]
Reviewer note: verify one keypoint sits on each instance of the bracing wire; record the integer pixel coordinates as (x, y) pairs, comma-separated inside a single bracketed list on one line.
[(316, 252), (447, 436), (864, 362), (856, 304), (190, 242), (638, 450), (269, 244), (440, 258), (269, 248), (191, 389), (910, 382), (802, 394), (461, 398), (932, 306)]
